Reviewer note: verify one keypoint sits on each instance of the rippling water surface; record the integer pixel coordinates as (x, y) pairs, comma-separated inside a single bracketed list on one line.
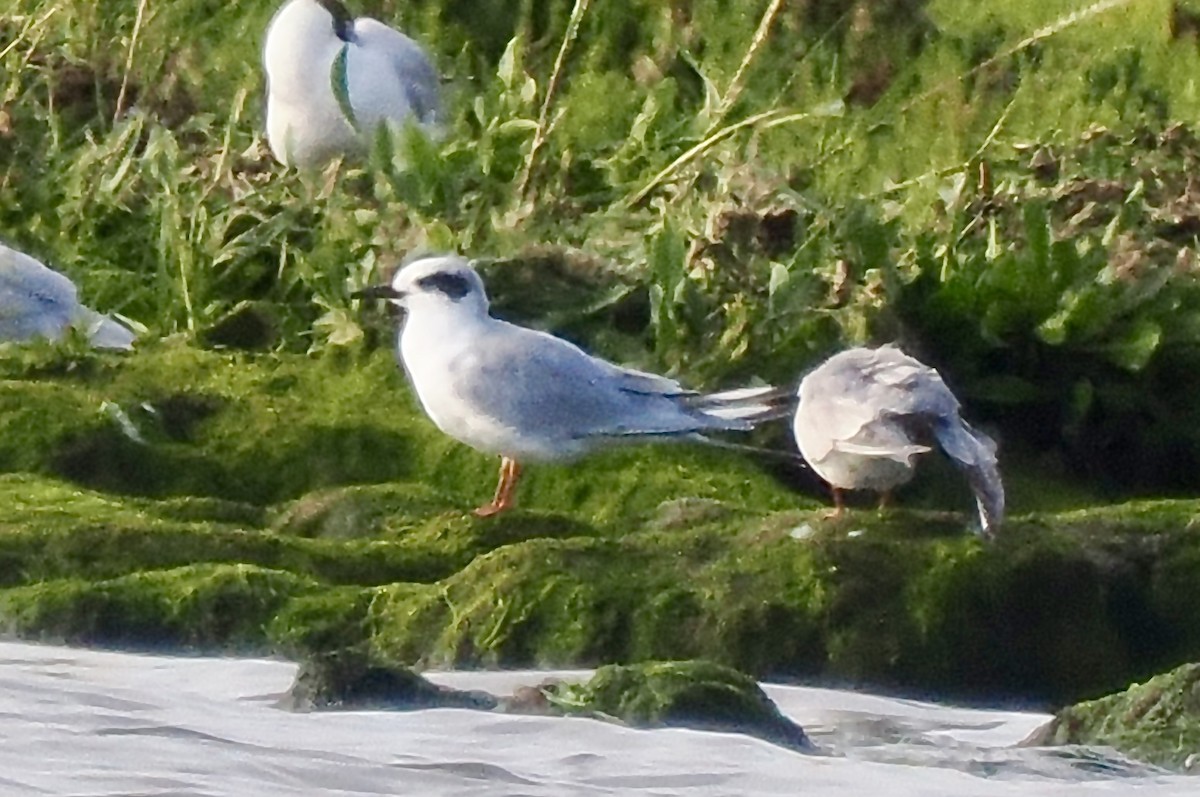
[(79, 722)]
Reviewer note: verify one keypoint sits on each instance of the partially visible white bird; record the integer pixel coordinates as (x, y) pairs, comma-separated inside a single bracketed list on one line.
[(36, 301), (332, 80), (865, 414), (531, 397)]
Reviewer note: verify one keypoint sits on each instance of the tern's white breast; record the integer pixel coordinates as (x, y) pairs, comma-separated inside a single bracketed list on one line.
[(305, 125), (465, 394)]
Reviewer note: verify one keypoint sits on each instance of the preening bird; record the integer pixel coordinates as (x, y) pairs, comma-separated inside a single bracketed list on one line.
[(528, 396), (38, 302), (866, 414), (332, 80)]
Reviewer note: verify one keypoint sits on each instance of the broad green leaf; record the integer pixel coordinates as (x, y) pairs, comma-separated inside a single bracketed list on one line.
[(1134, 349), (516, 126), (779, 277), (508, 66)]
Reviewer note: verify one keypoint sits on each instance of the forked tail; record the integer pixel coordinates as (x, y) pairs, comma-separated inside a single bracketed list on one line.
[(102, 331), (745, 408)]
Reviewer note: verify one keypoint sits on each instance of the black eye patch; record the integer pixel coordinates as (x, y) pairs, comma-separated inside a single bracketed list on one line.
[(455, 286)]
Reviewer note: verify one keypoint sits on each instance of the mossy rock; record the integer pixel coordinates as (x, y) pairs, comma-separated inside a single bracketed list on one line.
[(346, 679), (686, 694), (140, 474), (1040, 614), (248, 326), (1062, 607), (53, 530), (1157, 721), (198, 607)]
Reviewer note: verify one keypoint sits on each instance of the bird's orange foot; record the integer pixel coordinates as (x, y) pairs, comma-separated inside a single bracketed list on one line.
[(839, 505), (510, 471), (492, 508)]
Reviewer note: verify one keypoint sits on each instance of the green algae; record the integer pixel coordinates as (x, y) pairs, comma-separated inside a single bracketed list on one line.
[(199, 607), (634, 555), (54, 530), (687, 694), (1157, 721), (1056, 609)]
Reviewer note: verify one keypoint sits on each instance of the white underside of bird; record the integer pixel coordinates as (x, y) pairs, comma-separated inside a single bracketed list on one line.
[(38, 302), (865, 415), (331, 82)]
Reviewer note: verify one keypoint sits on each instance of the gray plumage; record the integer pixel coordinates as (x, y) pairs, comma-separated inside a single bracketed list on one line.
[(38, 302), (866, 414)]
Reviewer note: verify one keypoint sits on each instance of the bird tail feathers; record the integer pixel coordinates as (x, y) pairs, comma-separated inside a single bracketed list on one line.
[(745, 408), (104, 332)]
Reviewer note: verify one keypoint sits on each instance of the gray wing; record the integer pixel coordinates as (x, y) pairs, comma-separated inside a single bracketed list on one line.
[(975, 453), (35, 301), (924, 402), (413, 68), (524, 378), (897, 384)]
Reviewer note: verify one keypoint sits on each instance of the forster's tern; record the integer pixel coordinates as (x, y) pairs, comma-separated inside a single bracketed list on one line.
[(864, 414), (531, 397), (36, 301), (332, 80)]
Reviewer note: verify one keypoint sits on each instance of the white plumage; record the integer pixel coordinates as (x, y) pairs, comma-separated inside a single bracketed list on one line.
[(332, 80), (866, 414), (38, 302)]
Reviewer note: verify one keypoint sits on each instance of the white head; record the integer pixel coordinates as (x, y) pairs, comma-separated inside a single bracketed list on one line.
[(303, 19), (298, 35), (435, 283)]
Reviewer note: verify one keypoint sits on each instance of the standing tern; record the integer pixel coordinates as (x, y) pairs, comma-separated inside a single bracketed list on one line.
[(528, 396)]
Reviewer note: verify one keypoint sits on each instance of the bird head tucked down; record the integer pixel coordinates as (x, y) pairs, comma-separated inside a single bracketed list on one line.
[(435, 283), (343, 22)]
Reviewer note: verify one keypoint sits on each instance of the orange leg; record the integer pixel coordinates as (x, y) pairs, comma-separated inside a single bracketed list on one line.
[(510, 471), (839, 503)]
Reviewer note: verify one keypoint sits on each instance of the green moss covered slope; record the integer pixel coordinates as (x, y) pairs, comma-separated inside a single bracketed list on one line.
[(309, 507)]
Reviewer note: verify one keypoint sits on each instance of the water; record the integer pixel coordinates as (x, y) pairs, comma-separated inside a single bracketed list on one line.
[(80, 722)]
